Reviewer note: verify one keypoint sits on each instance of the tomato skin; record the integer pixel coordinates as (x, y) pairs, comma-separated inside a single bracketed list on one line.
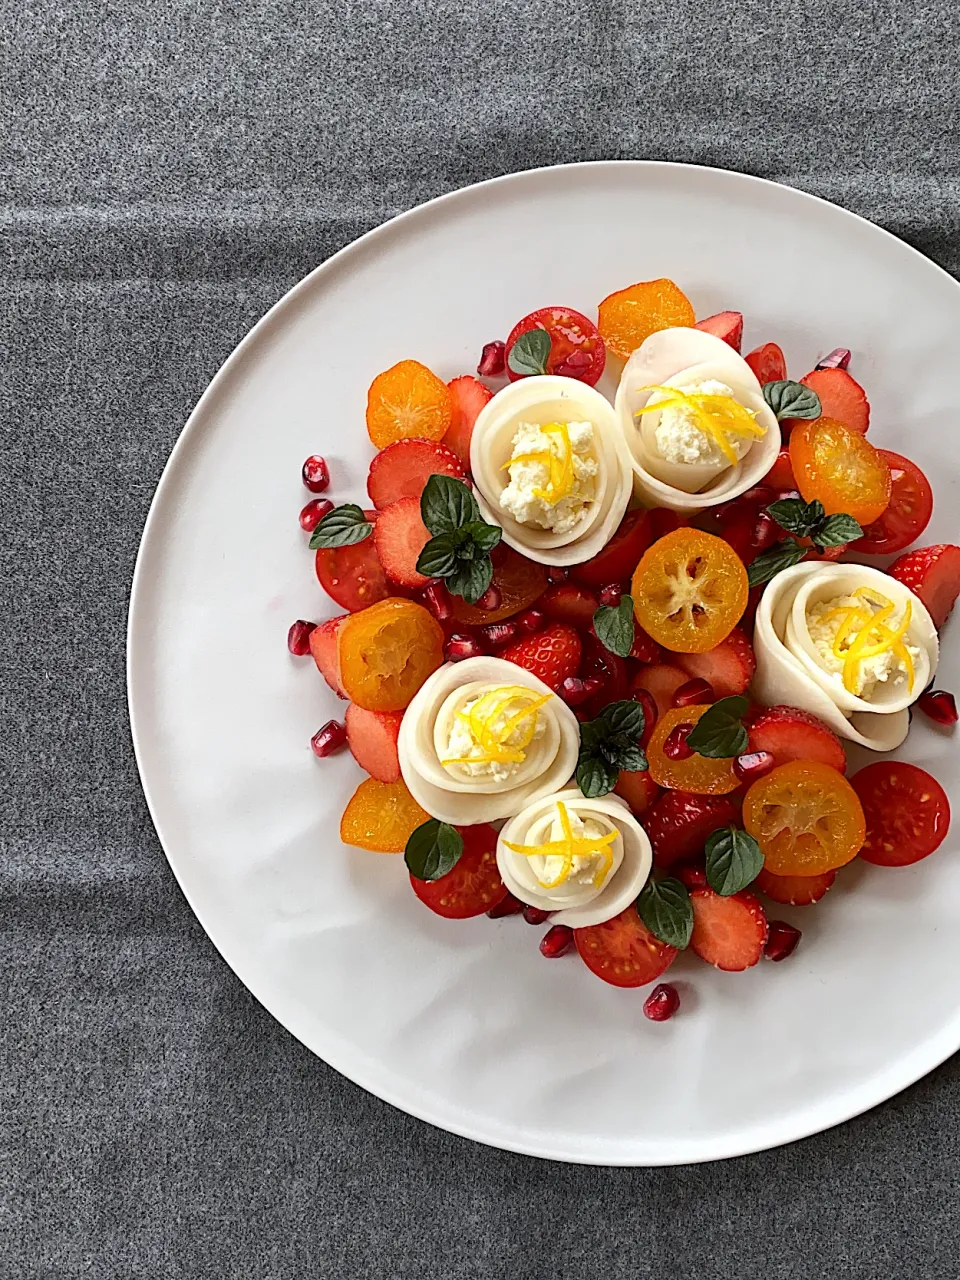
[(767, 363), (353, 577), (618, 559), (623, 951), (576, 348), (474, 884), (906, 810), (909, 512)]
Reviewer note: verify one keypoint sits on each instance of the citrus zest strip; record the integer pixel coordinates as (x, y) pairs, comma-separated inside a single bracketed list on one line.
[(568, 848), (872, 638), (718, 417), (560, 467), (482, 718)]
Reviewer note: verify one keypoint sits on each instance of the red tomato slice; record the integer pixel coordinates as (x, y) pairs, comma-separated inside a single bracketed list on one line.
[(474, 884), (907, 812), (576, 348), (623, 951), (353, 576), (909, 512), (618, 559)]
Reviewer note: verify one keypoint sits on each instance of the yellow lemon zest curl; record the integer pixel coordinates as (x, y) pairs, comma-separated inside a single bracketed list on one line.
[(562, 475), (568, 848), (720, 418), (492, 727), (863, 633)]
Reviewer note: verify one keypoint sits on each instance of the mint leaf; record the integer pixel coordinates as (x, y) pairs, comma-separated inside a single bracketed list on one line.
[(595, 777), (471, 578), (767, 565), (622, 717), (484, 537), (719, 733), (790, 399), (631, 757), (342, 527), (614, 626), (447, 504), (836, 531), (664, 907), (433, 850), (796, 516), (608, 744), (530, 352), (734, 860), (439, 557)]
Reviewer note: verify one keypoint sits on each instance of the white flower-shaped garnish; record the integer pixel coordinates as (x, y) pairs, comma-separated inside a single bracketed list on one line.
[(695, 421), (551, 468), (482, 738), (848, 644), (586, 860)]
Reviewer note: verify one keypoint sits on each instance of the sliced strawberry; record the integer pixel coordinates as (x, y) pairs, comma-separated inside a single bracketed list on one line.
[(793, 891), (791, 734), (841, 397), (469, 397), (780, 476), (372, 739), (662, 681), (727, 325), (400, 535), (767, 363), (566, 602), (323, 649), (638, 789), (933, 574), (728, 668), (678, 824), (644, 648), (552, 654), (729, 933), (402, 469)]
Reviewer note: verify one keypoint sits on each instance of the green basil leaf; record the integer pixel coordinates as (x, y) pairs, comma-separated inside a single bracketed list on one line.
[(796, 516), (836, 531), (471, 578), (615, 627), (530, 352), (447, 504), (769, 563), (665, 908), (734, 860), (342, 527), (791, 400), (595, 777), (438, 559), (719, 733), (433, 850), (622, 717), (483, 536)]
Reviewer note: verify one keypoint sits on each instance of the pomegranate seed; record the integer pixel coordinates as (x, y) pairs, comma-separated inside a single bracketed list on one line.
[(650, 713), (507, 906), (459, 646), (781, 941), (531, 620), (498, 634), (939, 705), (493, 359), (765, 533), (693, 692), (491, 599), (838, 358), (329, 739), (313, 513), (692, 877), (675, 747), (753, 765), (437, 599), (644, 648), (576, 363), (662, 1002), (611, 594), (574, 691), (557, 573), (316, 473), (557, 941), (533, 915), (298, 637)]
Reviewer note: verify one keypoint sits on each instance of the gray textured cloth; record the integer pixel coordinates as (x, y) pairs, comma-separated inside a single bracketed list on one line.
[(169, 169)]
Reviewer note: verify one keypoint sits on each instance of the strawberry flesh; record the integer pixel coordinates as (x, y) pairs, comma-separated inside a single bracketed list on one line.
[(728, 668), (552, 655), (727, 325), (402, 470), (469, 397), (399, 536), (788, 733), (323, 648), (729, 933), (678, 824), (372, 739), (933, 574)]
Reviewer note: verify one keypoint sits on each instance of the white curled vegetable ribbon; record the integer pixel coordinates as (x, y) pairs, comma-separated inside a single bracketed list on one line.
[(692, 444), (556, 406), (848, 644), (585, 860), (483, 738)]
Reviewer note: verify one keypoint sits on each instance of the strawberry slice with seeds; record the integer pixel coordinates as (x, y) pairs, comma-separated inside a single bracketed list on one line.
[(372, 739), (661, 680), (841, 397), (933, 574), (553, 655), (469, 397), (678, 824), (729, 933), (566, 602), (323, 649), (727, 325), (793, 891), (728, 668), (791, 734), (401, 470), (400, 535)]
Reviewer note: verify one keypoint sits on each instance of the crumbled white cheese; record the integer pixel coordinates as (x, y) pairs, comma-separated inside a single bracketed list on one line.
[(871, 671), (463, 745), (584, 868), (679, 439), (519, 499)]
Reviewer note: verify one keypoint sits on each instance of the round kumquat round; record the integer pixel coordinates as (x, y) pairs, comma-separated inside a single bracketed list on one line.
[(408, 402), (386, 652), (806, 818), (841, 469), (689, 591), (701, 775), (630, 315)]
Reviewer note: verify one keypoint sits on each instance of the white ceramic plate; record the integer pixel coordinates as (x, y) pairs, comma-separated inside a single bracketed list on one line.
[(464, 1024)]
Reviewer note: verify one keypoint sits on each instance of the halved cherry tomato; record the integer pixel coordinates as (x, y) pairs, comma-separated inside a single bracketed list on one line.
[(623, 951), (780, 475), (618, 559), (909, 512), (689, 591), (519, 580), (474, 884), (700, 775), (353, 576), (767, 363), (806, 818), (841, 468), (386, 652), (630, 315), (576, 348), (907, 813), (793, 891)]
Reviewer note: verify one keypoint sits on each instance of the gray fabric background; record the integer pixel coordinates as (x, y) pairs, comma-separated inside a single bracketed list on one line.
[(169, 168)]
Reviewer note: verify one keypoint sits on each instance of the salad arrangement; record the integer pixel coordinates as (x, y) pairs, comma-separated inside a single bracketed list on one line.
[(601, 660)]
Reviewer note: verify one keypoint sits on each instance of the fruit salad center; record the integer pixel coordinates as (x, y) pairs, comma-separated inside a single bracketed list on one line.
[(705, 423), (490, 734), (861, 640), (553, 474), (577, 850)]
